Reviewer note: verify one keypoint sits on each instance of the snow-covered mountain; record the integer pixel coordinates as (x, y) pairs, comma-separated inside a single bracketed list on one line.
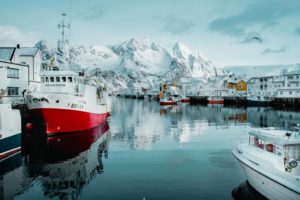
[(137, 63)]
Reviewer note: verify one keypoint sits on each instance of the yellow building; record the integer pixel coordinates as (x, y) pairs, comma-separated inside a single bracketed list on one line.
[(239, 86)]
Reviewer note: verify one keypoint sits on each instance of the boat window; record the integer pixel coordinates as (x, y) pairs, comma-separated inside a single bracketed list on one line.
[(70, 79), (51, 79), (63, 79), (47, 79), (257, 142), (58, 79)]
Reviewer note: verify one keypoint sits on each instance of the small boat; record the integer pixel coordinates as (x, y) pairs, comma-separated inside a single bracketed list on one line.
[(215, 100), (270, 159), (167, 101), (10, 131), (168, 94), (184, 99)]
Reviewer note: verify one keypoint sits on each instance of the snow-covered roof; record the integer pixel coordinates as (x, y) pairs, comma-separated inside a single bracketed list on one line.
[(293, 72), (7, 53), (27, 51)]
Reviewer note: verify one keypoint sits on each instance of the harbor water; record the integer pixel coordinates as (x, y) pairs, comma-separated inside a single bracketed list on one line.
[(145, 151)]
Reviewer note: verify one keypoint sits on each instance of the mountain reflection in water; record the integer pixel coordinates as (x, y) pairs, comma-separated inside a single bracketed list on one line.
[(155, 152)]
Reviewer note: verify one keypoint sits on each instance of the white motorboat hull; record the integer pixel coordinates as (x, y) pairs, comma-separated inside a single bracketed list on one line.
[(265, 185)]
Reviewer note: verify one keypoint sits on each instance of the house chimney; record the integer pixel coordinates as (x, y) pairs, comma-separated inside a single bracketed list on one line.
[(18, 46)]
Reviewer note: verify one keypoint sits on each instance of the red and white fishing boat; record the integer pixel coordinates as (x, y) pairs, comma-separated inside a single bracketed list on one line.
[(167, 101), (66, 101), (184, 99), (215, 100), (168, 94)]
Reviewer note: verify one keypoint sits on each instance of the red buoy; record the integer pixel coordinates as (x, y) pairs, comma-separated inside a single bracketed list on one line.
[(29, 126)]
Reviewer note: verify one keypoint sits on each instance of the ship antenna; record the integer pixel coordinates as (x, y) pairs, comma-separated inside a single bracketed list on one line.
[(63, 26)]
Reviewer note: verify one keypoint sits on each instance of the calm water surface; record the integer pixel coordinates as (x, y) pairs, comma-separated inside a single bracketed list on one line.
[(146, 151)]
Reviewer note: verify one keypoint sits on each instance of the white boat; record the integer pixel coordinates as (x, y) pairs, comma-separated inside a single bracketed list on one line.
[(10, 131), (270, 159), (168, 94), (170, 100), (66, 101)]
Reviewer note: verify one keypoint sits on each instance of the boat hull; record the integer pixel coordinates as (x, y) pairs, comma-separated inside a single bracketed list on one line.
[(185, 100), (258, 103), (58, 121), (164, 103), (216, 101), (10, 146), (10, 131), (266, 186)]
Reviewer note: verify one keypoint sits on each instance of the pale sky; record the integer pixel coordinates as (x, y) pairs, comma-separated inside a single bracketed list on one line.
[(231, 32)]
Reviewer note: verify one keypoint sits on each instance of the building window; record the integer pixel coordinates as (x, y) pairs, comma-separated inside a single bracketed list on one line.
[(47, 79), (12, 73), (12, 91), (281, 92), (42, 79), (70, 79), (51, 79), (58, 79), (63, 79), (290, 77), (290, 92)]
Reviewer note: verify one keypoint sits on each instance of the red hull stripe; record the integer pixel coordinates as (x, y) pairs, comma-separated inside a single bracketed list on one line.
[(185, 100), (216, 101), (9, 153), (168, 103), (63, 121)]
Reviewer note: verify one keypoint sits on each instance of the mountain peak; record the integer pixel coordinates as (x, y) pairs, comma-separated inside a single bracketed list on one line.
[(180, 50)]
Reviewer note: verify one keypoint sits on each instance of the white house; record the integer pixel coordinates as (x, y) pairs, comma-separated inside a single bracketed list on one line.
[(291, 86), (19, 70), (264, 87), (14, 80), (30, 56)]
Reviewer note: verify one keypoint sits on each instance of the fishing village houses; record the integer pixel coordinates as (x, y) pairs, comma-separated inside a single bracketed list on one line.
[(19, 70), (280, 90)]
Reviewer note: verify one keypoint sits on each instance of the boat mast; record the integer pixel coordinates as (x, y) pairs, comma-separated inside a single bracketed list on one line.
[(63, 43)]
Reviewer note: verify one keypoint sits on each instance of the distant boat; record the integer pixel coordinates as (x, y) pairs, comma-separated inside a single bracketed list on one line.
[(270, 159), (184, 99), (215, 100), (167, 101), (10, 131), (168, 94)]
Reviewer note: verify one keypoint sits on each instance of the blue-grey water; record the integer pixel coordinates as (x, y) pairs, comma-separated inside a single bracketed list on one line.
[(146, 151)]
